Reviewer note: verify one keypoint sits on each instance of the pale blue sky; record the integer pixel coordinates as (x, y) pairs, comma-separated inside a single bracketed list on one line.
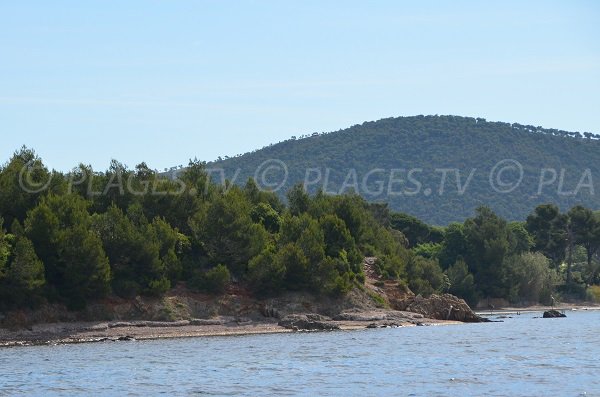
[(164, 81)]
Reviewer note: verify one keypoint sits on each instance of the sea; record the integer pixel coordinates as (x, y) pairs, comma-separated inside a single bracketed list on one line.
[(524, 355)]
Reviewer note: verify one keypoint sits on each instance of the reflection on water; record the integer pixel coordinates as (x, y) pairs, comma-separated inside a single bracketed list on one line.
[(523, 356)]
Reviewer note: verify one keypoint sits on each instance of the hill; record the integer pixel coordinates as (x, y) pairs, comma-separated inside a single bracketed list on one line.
[(438, 168)]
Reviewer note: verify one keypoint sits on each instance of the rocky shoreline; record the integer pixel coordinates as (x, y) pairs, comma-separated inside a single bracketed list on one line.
[(183, 313), (88, 332)]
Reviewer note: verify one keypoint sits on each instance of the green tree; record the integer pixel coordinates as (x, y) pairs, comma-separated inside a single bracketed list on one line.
[(214, 281), (425, 276), (266, 275), (416, 231), (298, 200), (462, 283), (585, 226), (134, 252), (264, 214), (25, 273), (548, 227), (533, 278), (454, 245), (520, 239), (85, 266), (224, 231), (23, 180), (487, 237), (295, 262)]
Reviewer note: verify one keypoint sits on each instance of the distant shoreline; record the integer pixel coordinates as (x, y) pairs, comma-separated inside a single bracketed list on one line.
[(538, 308)]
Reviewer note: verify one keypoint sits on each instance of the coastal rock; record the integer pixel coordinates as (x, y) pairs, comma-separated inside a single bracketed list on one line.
[(443, 307), (307, 322), (553, 314)]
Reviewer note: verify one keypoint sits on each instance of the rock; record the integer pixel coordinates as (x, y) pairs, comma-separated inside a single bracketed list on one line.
[(307, 322), (443, 307), (553, 314)]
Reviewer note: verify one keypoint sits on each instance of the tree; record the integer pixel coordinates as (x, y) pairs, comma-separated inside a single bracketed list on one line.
[(454, 245), (338, 239), (520, 239), (585, 228), (134, 252), (462, 283), (532, 277), (266, 275), (293, 260), (548, 227), (25, 274), (23, 180), (298, 200), (86, 267), (425, 276), (264, 214), (416, 231), (487, 238), (214, 280), (224, 231)]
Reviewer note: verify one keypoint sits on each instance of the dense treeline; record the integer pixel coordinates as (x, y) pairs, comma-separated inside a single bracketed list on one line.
[(80, 236), (463, 151)]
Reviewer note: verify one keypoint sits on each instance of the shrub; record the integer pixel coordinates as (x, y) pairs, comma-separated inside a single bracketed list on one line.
[(213, 281), (593, 293)]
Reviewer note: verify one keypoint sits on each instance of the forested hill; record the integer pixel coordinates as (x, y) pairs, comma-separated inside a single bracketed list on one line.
[(438, 149)]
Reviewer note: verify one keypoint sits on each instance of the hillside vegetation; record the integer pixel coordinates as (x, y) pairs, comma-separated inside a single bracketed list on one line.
[(466, 148), (80, 237)]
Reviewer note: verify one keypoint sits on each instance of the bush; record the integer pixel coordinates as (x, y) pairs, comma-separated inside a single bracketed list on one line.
[(462, 283), (593, 293), (390, 266), (531, 277), (265, 274), (213, 281), (425, 276)]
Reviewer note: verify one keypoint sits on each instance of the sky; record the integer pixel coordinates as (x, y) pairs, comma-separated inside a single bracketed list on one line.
[(167, 81)]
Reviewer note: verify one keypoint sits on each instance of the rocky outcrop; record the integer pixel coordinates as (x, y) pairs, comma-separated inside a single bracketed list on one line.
[(308, 322), (442, 307), (553, 314)]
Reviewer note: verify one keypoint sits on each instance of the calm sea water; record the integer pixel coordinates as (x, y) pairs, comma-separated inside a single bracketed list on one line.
[(522, 356)]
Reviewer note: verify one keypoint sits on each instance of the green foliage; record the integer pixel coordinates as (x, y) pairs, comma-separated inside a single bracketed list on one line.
[(430, 143), (296, 264), (25, 274), (264, 214), (454, 245), (425, 276), (214, 281), (391, 266), (85, 267), (141, 254), (67, 245), (266, 275), (533, 278), (520, 240), (547, 226), (416, 231), (428, 250), (488, 243), (462, 283), (224, 230)]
